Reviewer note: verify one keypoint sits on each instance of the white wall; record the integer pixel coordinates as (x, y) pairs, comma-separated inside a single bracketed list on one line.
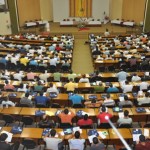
[(5, 25), (99, 7), (61, 9)]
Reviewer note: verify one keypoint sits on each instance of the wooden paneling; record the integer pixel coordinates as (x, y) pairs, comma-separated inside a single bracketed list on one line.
[(28, 10), (133, 10), (147, 18)]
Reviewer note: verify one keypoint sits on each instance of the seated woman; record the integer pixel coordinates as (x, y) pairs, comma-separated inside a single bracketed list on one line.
[(46, 122)]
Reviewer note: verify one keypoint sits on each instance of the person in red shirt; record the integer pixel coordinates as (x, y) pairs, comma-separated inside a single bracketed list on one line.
[(85, 121), (142, 144), (8, 86), (58, 48), (102, 116)]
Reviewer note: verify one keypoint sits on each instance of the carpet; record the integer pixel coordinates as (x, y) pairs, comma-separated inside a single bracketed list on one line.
[(83, 29)]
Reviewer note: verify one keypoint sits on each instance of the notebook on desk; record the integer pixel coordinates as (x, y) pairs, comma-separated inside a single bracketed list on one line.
[(92, 96), (68, 131), (117, 109), (140, 110)]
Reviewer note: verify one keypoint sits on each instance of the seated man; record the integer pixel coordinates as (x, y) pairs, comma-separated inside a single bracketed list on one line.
[(142, 144), (76, 98), (108, 101), (126, 119), (125, 102), (41, 99), (77, 142), (52, 89), (53, 142), (71, 86), (84, 79), (102, 115), (127, 87), (144, 100), (25, 100), (3, 144), (38, 87), (8, 86), (112, 89), (85, 121), (66, 116), (97, 145)]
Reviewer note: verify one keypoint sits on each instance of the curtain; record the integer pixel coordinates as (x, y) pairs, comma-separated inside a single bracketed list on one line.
[(80, 8)]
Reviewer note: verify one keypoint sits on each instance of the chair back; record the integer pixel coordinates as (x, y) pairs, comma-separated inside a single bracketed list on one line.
[(29, 143), (104, 126), (15, 146), (55, 105), (125, 125), (27, 120)]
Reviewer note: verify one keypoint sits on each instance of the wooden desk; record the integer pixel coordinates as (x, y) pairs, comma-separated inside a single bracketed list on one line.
[(140, 117), (126, 134), (11, 110), (28, 111), (35, 133), (8, 129)]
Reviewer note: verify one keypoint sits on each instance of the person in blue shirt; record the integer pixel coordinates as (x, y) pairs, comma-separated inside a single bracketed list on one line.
[(33, 62), (76, 98), (41, 99), (3, 61), (112, 89)]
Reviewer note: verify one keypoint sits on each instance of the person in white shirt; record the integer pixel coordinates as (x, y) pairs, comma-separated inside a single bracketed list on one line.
[(144, 100), (53, 62), (44, 76), (14, 59), (55, 38), (127, 87), (84, 79), (18, 76), (143, 85), (108, 101), (77, 142), (7, 102), (52, 141), (135, 78), (52, 89), (122, 76), (106, 33)]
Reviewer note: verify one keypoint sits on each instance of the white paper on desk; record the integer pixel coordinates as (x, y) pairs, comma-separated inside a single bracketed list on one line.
[(83, 113), (91, 138), (15, 83), (136, 137), (101, 135), (121, 114), (29, 97), (121, 99), (9, 138), (146, 132), (61, 133), (147, 110), (77, 129)]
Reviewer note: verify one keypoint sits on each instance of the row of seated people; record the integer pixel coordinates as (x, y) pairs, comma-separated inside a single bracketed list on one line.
[(54, 140), (35, 99), (98, 87), (68, 117), (34, 37), (57, 76)]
